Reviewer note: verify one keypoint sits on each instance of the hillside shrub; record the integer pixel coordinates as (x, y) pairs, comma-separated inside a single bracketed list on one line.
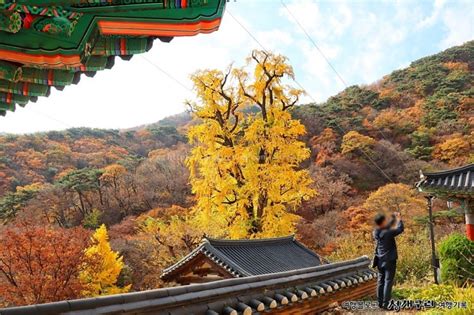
[(446, 293), (414, 255), (457, 259)]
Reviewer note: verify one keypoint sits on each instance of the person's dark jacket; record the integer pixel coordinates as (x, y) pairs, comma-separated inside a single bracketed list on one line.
[(386, 247)]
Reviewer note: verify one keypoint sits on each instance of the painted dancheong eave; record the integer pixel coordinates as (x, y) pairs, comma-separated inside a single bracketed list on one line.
[(158, 29), (51, 43)]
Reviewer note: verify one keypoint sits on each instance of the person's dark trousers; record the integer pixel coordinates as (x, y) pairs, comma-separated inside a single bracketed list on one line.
[(385, 281)]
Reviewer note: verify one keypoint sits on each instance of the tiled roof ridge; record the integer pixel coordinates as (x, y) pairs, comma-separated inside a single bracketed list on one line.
[(450, 171), (207, 248), (314, 281), (223, 261), (450, 183), (255, 241), (185, 259)]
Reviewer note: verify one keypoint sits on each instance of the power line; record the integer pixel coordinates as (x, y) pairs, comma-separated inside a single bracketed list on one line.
[(166, 73), (261, 45), (51, 118), (69, 126), (314, 43), (332, 67), (245, 29), (314, 100)]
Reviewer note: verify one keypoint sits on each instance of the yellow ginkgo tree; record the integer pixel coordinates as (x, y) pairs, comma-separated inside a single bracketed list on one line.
[(103, 267), (245, 164)]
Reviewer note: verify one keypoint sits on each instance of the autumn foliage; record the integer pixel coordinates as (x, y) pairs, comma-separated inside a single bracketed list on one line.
[(102, 267), (41, 264), (244, 167), (112, 208)]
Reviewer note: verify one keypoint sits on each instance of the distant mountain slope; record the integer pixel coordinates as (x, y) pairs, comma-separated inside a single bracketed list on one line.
[(418, 115), (427, 108)]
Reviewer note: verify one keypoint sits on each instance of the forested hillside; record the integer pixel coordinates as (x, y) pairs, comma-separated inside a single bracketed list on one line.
[(367, 144)]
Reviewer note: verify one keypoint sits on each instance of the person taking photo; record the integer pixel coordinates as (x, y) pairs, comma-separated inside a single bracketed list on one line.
[(385, 256)]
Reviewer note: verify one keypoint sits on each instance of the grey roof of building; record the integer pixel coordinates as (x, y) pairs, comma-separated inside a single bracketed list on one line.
[(230, 296), (243, 258), (458, 181)]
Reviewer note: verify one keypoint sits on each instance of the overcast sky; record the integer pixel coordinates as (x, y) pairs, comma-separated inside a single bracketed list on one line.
[(363, 40)]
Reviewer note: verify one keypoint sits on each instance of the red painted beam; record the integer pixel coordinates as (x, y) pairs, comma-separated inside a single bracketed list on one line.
[(470, 226)]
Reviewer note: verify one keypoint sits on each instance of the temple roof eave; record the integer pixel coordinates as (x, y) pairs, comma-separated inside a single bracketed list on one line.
[(455, 183)]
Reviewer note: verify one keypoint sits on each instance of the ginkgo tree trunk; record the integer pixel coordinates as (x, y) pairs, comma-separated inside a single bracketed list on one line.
[(244, 166)]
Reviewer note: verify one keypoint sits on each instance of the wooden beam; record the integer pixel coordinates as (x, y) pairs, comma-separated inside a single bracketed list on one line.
[(198, 267), (197, 279)]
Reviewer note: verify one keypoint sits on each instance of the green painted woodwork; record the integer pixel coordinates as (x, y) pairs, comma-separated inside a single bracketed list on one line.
[(110, 46), (10, 71), (9, 98), (46, 43), (10, 22), (28, 39), (94, 63), (5, 106), (48, 76), (24, 88)]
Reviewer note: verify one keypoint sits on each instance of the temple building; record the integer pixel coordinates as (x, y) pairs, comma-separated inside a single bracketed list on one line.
[(51, 43), (223, 259), (236, 277), (453, 185)]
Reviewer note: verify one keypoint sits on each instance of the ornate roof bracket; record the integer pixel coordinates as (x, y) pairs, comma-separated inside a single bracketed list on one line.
[(49, 42)]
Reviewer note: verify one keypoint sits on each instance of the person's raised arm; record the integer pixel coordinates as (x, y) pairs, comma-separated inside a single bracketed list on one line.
[(399, 228)]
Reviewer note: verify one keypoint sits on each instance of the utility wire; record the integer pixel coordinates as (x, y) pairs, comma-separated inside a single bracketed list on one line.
[(69, 126), (50, 117), (263, 48), (245, 29), (312, 98), (166, 73), (332, 67), (314, 44)]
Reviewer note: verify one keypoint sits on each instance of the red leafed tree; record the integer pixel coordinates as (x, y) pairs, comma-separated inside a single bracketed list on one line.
[(40, 264)]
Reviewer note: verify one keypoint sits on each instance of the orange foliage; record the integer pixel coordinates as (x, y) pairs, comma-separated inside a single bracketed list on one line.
[(158, 153), (355, 141), (357, 219), (399, 121), (391, 94), (456, 66), (89, 145), (466, 111), (387, 118), (325, 145), (163, 213), (41, 264), (396, 198), (143, 133), (455, 150), (328, 249), (31, 159), (112, 172)]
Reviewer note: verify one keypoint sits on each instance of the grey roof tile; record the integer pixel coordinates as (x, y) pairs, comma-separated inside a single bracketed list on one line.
[(459, 180), (198, 298), (252, 257)]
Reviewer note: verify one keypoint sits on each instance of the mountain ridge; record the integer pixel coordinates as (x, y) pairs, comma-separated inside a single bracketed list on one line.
[(425, 109)]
